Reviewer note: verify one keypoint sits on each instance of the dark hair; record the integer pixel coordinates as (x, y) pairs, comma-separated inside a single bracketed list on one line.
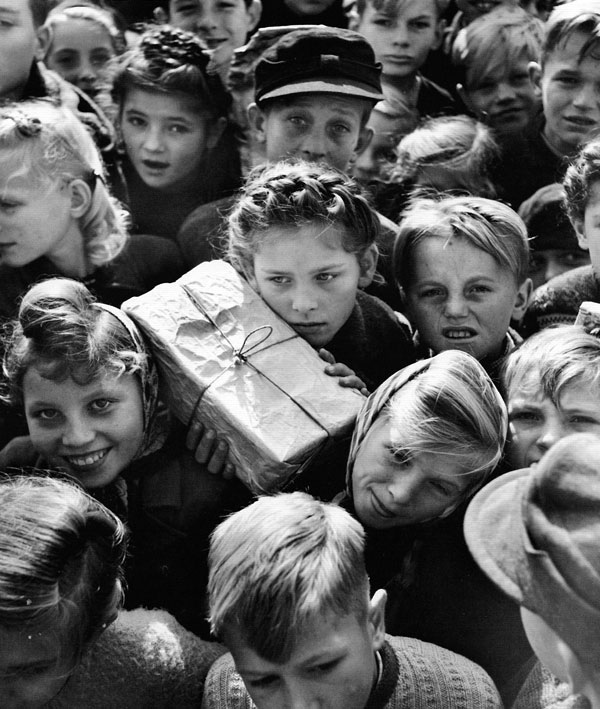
[(170, 60), (579, 179), (566, 19), (39, 11), (64, 332), (61, 556)]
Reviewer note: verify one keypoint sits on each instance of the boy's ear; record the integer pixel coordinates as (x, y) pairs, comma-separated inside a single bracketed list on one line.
[(257, 121), (160, 16), (580, 232), (368, 266), (439, 35), (376, 618), (216, 131), (522, 300), (254, 12), (535, 75), (364, 138), (42, 44), (81, 197)]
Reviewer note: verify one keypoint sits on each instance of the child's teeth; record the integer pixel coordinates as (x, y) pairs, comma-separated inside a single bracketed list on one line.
[(88, 459), (459, 333)]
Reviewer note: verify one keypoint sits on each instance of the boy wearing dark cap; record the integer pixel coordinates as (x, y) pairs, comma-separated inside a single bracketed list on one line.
[(536, 534), (315, 88)]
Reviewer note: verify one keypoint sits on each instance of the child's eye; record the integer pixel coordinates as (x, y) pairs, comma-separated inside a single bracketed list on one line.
[(441, 488), (262, 682), (400, 457), (178, 129), (420, 24), (100, 405), (136, 121), (297, 121), (341, 128), (571, 258), (279, 280), (582, 420), (100, 59), (187, 9), (326, 277), (431, 293), (480, 289), (383, 22), (47, 414), (524, 416), (325, 667)]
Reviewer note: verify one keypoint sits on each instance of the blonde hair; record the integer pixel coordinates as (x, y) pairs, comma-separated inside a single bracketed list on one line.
[(280, 563), (48, 144), (558, 357), (459, 145), (95, 15), (486, 224)]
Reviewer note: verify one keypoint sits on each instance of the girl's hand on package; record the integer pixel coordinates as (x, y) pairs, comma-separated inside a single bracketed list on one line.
[(209, 451), (346, 376)]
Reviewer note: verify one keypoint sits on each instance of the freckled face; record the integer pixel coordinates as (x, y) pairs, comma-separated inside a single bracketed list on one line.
[(393, 490)]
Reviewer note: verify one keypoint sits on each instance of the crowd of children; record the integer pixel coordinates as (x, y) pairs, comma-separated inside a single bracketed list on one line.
[(412, 189)]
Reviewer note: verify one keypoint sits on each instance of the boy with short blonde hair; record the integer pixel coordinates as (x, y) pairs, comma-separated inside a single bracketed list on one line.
[(289, 595)]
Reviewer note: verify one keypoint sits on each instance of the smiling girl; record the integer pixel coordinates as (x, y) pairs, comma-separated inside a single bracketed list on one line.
[(80, 372), (179, 152)]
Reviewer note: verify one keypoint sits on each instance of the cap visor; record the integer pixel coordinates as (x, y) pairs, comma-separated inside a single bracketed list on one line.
[(495, 533), (329, 86)]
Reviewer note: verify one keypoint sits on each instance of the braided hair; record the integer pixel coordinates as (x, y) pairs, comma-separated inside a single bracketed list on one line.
[(171, 60), (290, 193)]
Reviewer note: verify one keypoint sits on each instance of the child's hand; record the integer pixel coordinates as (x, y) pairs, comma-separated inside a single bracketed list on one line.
[(209, 451), (346, 376)]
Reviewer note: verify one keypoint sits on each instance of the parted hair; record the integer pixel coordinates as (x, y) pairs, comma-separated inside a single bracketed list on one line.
[(581, 175), (288, 194), (569, 17), (485, 223), (457, 144), (171, 60), (61, 554), (455, 411), (63, 332), (556, 357), (280, 563), (44, 144)]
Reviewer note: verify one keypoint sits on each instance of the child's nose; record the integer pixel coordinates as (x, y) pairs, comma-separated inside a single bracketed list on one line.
[(404, 487), (304, 300), (455, 306), (314, 146), (552, 431), (401, 34), (206, 22), (365, 166), (153, 139), (587, 97), (77, 433), (506, 91)]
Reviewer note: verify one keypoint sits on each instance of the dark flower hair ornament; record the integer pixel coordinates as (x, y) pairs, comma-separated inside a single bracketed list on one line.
[(168, 48)]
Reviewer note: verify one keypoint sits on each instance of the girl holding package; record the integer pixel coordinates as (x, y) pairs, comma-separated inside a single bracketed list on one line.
[(304, 236), (179, 152), (57, 217), (81, 374), (425, 441), (65, 642)]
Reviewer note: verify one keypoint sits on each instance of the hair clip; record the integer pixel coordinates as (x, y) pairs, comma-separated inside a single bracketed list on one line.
[(27, 126)]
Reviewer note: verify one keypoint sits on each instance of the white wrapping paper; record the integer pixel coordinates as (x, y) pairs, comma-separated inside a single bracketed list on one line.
[(227, 359)]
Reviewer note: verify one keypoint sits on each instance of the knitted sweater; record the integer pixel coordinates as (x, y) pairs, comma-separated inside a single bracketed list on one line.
[(557, 301), (544, 691), (145, 659), (415, 675)]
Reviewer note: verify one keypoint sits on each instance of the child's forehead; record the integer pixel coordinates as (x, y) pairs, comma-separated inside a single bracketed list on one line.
[(20, 8), (320, 103), (396, 8)]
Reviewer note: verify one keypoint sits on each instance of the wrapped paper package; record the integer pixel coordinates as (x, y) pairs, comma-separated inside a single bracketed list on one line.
[(227, 359)]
